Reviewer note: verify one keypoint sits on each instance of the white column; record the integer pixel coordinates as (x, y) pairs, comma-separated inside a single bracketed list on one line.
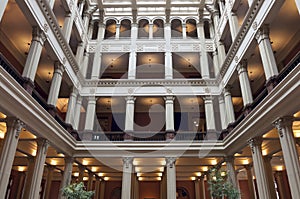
[(117, 31), (85, 63), (35, 50), (81, 6), (2, 9), (50, 170), (184, 31), (221, 53), (42, 147), (197, 188), (86, 21), (244, 83), (221, 6), (297, 4), (67, 177), (204, 66), (51, 3), (233, 24), (251, 1), (129, 114), (259, 169), (68, 25), (77, 112), (80, 53), (90, 114), (55, 83), (29, 174), (216, 63), (132, 65), (14, 127), (71, 107), (171, 177), (126, 180), (168, 65), (150, 31), (96, 64), (229, 106), (290, 154), (101, 31), (91, 29), (266, 53), (209, 113), (169, 100), (231, 171), (223, 115)]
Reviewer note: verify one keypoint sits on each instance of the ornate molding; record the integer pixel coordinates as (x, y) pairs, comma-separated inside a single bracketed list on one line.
[(283, 122), (127, 161), (170, 162), (255, 142)]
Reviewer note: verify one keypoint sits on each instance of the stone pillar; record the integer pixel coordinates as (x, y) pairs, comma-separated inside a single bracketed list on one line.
[(118, 31), (163, 187), (68, 25), (101, 31), (221, 52), (231, 171), (85, 62), (102, 189), (29, 175), (42, 147), (170, 130), (21, 185), (244, 83), (171, 177), (77, 112), (150, 31), (216, 63), (90, 114), (81, 169), (96, 64), (197, 188), (168, 65), (49, 181), (86, 21), (33, 57), (51, 3), (290, 154), (136, 188), (210, 117), (129, 115), (221, 6), (223, 115), (71, 107), (229, 106), (126, 180), (184, 31), (204, 66), (2, 10), (202, 188), (269, 172), (132, 65), (267, 57), (14, 127), (80, 53), (233, 24), (55, 84), (250, 182), (259, 169), (67, 177), (91, 29)]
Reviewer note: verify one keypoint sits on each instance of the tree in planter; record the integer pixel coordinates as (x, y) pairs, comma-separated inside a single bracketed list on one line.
[(77, 191), (220, 187)]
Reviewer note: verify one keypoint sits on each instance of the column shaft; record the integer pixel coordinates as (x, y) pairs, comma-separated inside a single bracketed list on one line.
[(80, 53), (85, 63), (68, 24), (250, 182), (229, 106), (21, 185), (129, 114), (184, 31), (223, 114), (233, 24), (197, 189), (55, 84), (269, 172), (169, 100), (71, 107), (171, 178), (126, 180), (221, 53), (231, 171), (290, 153), (101, 31), (117, 31), (29, 175), (204, 66), (97, 189), (77, 112), (216, 63), (132, 65), (38, 168), (209, 114), (49, 181), (67, 177), (2, 8), (202, 188), (102, 189), (168, 65), (9, 148), (244, 83), (90, 114), (96, 64), (150, 31)]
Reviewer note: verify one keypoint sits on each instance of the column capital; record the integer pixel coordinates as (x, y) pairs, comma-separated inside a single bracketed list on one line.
[(262, 33), (170, 161), (208, 98), (38, 35), (242, 66), (130, 99), (169, 99), (127, 161), (255, 142), (59, 67), (91, 99), (229, 158), (283, 122), (227, 89), (69, 160), (12, 122), (43, 143)]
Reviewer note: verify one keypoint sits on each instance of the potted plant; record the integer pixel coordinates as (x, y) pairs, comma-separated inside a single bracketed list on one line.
[(77, 191), (220, 187)]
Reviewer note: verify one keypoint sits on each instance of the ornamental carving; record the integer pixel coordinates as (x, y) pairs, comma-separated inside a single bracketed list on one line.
[(170, 161), (127, 161), (105, 48), (254, 25), (46, 27)]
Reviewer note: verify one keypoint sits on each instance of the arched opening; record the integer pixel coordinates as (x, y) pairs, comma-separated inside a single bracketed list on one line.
[(125, 28), (158, 28), (143, 31), (176, 28), (110, 29), (191, 28)]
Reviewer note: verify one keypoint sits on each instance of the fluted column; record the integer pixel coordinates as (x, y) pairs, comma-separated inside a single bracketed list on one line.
[(68, 25), (90, 114), (168, 65), (71, 107), (129, 114), (2, 8), (269, 172), (102, 189), (85, 63), (216, 63), (209, 113), (229, 106), (171, 177), (244, 83), (55, 84), (223, 115), (150, 31), (163, 187), (197, 188), (280, 184), (250, 182), (259, 168), (290, 153), (80, 53), (34, 54), (117, 31), (67, 177), (42, 147), (86, 21), (14, 127), (202, 187), (184, 31), (169, 100), (126, 180), (231, 171), (90, 181), (96, 64), (101, 31), (97, 188), (233, 24), (221, 52), (49, 179), (132, 65), (266, 53), (204, 66), (21, 185), (77, 112), (81, 169)]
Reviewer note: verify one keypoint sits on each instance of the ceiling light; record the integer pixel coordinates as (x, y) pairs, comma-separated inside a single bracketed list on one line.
[(21, 168), (100, 174), (193, 178), (85, 178), (279, 168), (106, 178), (158, 178), (214, 162), (264, 152), (94, 169), (198, 174), (53, 162), (85, 162), (2, 135), (76, 174)]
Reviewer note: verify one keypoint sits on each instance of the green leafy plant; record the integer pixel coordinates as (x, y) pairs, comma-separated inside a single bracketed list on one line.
[(220, 186), (77, 191)]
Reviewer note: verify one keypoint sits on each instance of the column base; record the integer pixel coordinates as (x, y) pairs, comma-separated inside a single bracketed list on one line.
[(28, 85), (271, 83), (170, 135), (86, 136)]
